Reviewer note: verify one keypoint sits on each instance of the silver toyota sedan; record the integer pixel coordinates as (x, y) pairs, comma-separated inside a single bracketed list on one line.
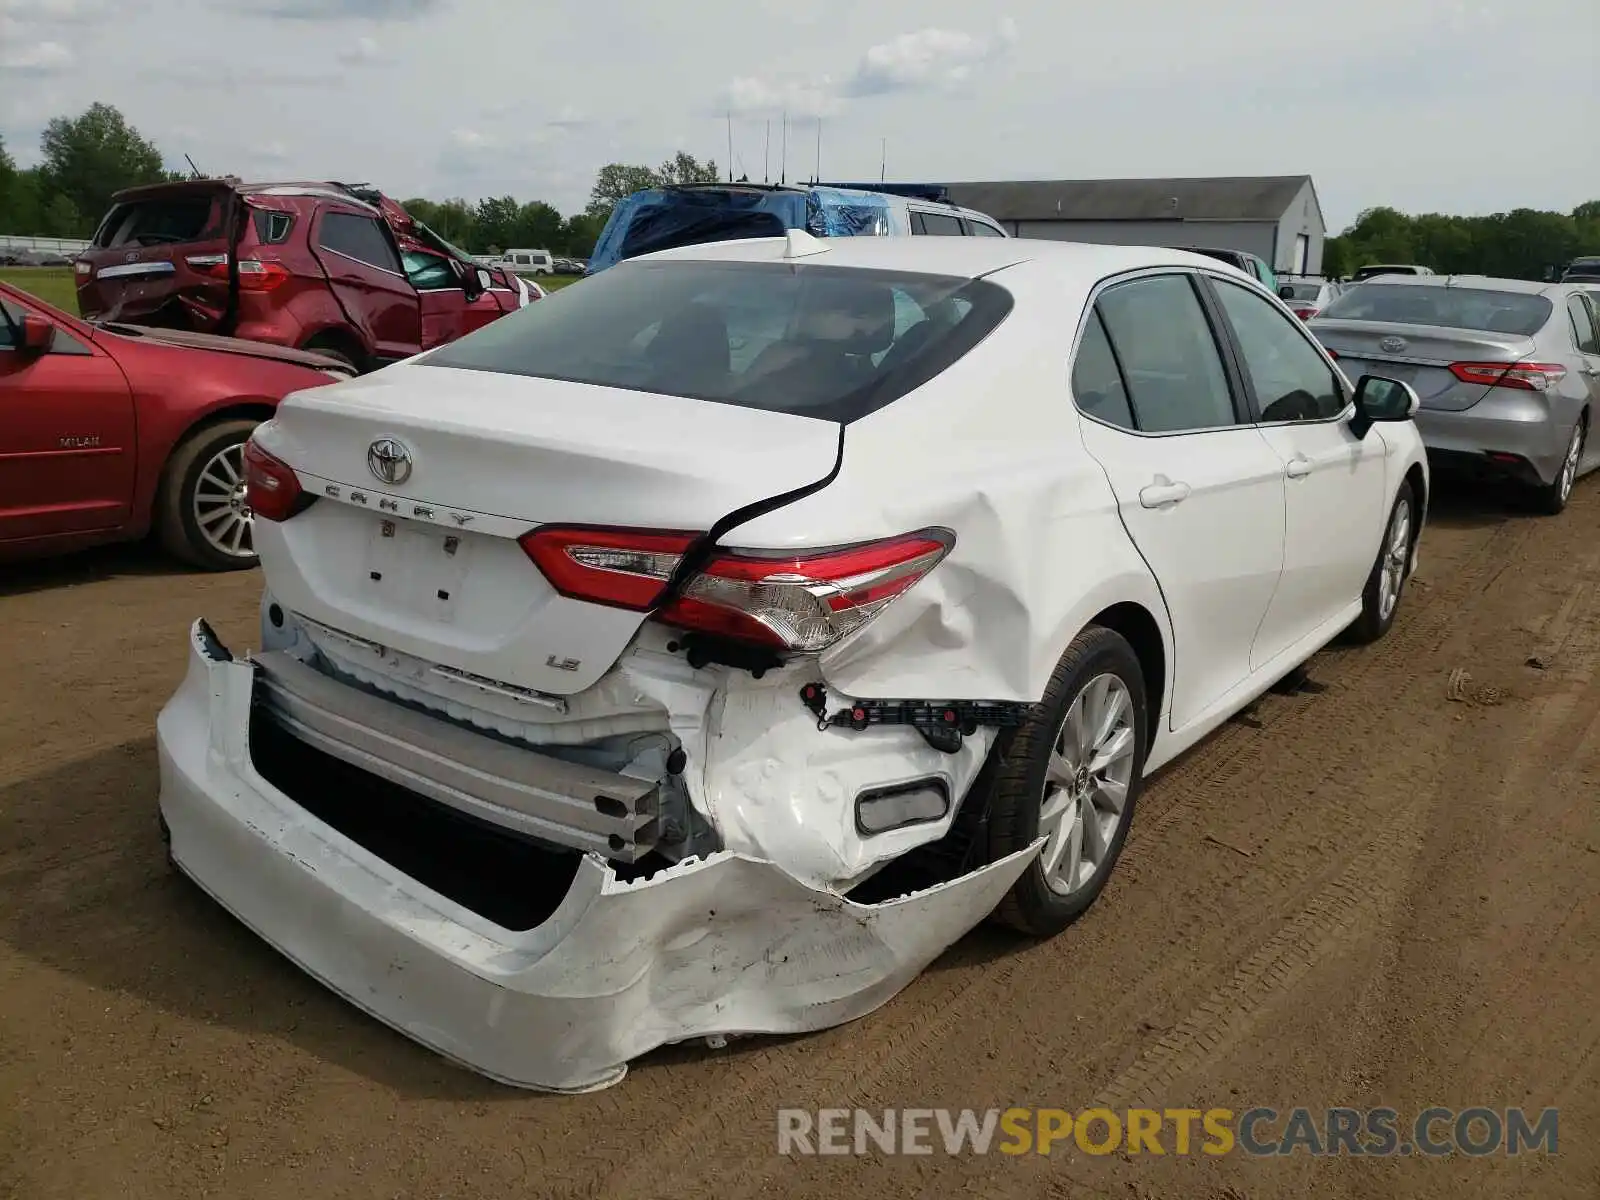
[(1508, 370)]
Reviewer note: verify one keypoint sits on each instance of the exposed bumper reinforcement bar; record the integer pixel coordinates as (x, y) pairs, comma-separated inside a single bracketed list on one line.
[(547, 798)]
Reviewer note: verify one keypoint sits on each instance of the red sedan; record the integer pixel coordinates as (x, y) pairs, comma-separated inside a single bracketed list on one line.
[(109, 431)]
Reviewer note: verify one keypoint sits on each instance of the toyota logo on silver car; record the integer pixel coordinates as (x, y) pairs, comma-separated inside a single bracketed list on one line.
[(389, 460), (1392, 345)]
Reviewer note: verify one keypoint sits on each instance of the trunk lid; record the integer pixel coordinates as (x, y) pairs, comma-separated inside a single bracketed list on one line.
[(430, 564), (1419, 355), (147, 257)]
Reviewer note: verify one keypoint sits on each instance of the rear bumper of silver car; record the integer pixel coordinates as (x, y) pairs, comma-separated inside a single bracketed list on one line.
[(727, 944), (1516, 432)]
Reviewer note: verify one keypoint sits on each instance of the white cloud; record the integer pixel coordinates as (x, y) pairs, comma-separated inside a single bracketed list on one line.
[(921, 61), (338, 10), (41, 58), (364, 53), (752, 97), (926, 59)]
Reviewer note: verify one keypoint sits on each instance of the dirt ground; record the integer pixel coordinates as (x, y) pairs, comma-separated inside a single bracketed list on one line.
[(1384, 894)]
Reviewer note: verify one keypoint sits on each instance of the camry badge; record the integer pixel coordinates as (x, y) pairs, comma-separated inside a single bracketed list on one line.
[(389, 460)]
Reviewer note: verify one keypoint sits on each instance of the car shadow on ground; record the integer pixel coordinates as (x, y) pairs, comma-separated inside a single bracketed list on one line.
[(90, 566), (85, 889), (1461, 502)]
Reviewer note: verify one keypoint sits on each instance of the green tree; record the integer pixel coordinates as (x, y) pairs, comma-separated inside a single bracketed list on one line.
[(614, 181), (496, 221), (538, 225), (683, 168), (89, 157), (62, 219), (580, 233)]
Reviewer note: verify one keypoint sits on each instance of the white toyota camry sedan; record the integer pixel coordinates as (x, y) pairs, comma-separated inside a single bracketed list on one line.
[(702, 650)]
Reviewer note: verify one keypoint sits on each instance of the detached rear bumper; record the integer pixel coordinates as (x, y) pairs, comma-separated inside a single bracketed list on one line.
[(728, 944)]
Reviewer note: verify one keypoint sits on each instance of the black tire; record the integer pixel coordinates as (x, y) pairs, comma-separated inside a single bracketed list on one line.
[(177, 524), (1018, 791), (1373, 622), (1551, 498), (337, 355)]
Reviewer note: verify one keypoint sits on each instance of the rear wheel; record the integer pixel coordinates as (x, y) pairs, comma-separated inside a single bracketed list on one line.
[(202, 514), (1071, 775), (1552, 498)]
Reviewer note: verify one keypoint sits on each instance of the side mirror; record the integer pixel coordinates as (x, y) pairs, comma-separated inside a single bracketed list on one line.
[(1380, 399), (38, 335)]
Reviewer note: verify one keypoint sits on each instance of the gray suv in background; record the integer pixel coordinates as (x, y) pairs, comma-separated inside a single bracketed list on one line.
[(1508, 371)]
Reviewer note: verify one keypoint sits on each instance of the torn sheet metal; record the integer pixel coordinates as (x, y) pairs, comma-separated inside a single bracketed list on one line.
[(721, 945)]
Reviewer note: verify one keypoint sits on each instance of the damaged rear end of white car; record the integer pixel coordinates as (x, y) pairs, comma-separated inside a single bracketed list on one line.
[(598, 705)]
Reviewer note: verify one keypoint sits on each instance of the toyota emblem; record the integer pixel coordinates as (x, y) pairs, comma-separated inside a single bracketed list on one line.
[(389, 460), (132, 256), (1392, 345)]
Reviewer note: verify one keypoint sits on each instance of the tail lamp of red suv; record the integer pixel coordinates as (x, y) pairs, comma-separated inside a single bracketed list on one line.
[(782, 600)]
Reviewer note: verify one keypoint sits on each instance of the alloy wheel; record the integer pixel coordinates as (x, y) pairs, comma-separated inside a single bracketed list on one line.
[(1087, 783), (221, 507), (1396, 551)]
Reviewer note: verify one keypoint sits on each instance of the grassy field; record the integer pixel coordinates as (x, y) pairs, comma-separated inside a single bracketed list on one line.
[(54, 285)]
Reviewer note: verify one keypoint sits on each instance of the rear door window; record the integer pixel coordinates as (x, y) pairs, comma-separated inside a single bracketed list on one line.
[(359, 238), (939, 224), (1169, 356), (983, 229), (829, 342)]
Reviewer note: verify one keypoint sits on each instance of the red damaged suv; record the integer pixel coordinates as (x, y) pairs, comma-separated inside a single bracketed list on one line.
[(335, 268)]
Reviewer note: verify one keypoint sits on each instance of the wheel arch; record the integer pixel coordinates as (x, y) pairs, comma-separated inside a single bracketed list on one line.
[(1138, 626), (233, 410), (340, 338)]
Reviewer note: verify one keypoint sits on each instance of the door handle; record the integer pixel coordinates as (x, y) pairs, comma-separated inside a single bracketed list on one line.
[(1163, 493), (1298, 467)]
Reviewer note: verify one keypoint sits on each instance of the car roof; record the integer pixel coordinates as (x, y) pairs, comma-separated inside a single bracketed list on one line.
[(959, 256), (1527, 287)]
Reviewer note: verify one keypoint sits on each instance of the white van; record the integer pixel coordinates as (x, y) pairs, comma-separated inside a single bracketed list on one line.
[(528, 262)]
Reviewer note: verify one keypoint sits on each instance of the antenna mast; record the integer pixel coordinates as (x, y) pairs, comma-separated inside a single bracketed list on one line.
[(783, 171), (883, 161), (818, 176), (730, 145), (766, 154)]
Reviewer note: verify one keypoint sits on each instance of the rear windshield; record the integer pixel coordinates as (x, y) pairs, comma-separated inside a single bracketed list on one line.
[(157, 222), (828, 342), (1446, 307)]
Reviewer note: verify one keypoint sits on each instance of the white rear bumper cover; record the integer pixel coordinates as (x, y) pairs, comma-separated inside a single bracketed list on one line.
[(727, 944)]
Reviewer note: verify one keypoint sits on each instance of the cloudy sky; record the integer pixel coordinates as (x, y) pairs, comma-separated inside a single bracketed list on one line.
[(1429, 105)]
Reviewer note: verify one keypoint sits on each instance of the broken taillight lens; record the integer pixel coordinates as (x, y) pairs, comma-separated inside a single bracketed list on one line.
[(254, 275), (271, 487), (805, 600)]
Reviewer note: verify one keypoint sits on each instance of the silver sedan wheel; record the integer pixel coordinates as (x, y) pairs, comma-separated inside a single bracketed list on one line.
[(1396, 551), (221, 510), (1086, 784), (1569, 468)]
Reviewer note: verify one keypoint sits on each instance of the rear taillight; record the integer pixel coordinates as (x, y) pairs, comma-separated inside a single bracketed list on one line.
[(1529, 377), (792, 601), (254, 275), (1305, 314), (271, 488)]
